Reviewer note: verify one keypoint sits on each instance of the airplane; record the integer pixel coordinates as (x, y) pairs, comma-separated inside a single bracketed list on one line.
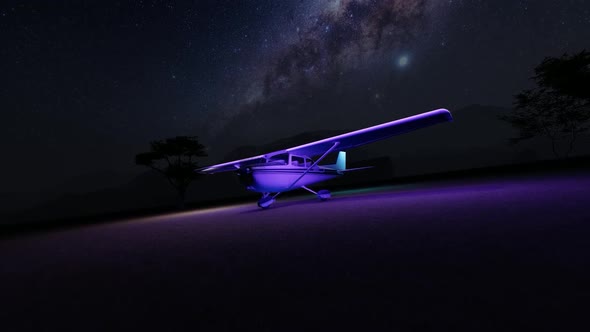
[(274, 173)]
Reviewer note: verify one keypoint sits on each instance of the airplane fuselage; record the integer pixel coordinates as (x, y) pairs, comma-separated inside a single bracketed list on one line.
[(280, 178)]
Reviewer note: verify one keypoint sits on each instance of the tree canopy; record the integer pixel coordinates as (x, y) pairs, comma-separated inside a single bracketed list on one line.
[(175, 158), (567, 75), (558, 107)]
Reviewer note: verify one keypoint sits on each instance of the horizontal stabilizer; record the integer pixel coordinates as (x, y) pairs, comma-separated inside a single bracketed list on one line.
[(356, 169)]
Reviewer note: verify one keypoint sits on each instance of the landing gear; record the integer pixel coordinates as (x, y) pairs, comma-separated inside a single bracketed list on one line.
[(322, 194), (266, 201)]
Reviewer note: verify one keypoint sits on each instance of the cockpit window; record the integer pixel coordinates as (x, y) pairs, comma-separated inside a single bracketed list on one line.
[(281, 158), (297, 161), (292, 160)]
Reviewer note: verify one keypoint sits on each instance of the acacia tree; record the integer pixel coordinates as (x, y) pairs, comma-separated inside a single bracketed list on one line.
[(175, 158), (558, 108)]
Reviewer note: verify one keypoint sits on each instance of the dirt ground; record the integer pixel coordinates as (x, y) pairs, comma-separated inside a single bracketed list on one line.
[(482, 255)]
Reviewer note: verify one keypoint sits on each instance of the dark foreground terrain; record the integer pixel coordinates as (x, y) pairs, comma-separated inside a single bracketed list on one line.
[(481, 255)]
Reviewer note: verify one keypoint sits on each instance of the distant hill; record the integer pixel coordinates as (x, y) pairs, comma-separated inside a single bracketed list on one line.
[(81, 184), (143, 191), (147, 190), (95, 181)]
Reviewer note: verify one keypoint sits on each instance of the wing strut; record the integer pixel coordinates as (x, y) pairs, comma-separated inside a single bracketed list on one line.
[(310, 167)]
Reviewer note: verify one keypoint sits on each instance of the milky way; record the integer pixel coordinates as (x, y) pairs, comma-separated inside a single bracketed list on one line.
[(331, 42), (344, 36)]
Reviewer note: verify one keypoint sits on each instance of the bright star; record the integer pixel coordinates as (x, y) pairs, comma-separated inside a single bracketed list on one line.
[(403, 61)]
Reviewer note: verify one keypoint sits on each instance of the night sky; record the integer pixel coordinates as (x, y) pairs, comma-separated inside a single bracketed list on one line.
[(85, 85)]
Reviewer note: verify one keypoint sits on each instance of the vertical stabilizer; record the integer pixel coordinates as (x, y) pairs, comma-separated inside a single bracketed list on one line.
[(341, 161)]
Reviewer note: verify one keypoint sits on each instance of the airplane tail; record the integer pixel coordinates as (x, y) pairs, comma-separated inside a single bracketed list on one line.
[(340, 162)]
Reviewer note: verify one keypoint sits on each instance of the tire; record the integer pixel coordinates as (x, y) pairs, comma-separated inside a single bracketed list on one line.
[(324, 195)]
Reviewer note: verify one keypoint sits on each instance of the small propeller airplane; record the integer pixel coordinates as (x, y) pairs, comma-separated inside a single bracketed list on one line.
[(274, 173)]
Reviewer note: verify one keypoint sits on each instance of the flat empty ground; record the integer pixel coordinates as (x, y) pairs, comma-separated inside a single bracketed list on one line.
[(483, 255)]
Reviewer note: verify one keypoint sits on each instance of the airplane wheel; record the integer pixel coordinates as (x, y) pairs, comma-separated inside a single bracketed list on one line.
[(266, 202), (324, 195)]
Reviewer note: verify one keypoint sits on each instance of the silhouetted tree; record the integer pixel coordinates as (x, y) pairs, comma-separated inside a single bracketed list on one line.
[(559, 107), (175, 159), (567, 75)]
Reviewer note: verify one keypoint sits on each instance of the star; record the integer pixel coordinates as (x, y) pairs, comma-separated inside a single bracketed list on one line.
[(403, 61)]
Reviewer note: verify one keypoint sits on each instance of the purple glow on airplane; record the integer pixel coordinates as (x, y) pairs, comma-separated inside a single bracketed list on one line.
[(293, 168)]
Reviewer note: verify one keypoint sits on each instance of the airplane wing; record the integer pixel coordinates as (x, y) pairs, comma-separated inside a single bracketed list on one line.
[(346, 141), (232, 165)]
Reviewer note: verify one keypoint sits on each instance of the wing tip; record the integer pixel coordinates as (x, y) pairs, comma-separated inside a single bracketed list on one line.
[(445, 113)]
